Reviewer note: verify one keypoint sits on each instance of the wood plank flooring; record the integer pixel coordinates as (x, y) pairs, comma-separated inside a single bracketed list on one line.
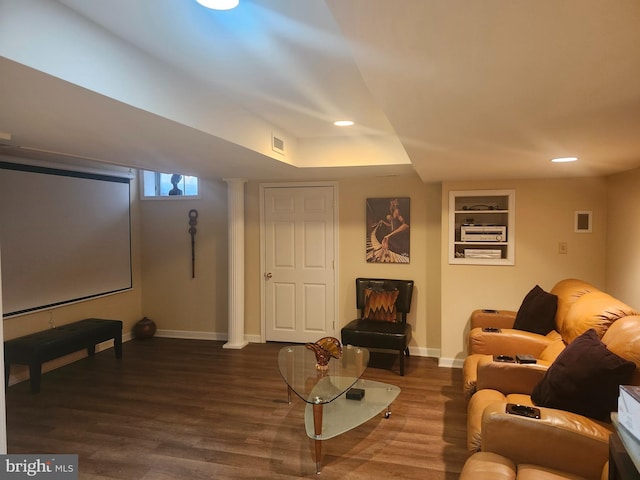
[(188, 409)]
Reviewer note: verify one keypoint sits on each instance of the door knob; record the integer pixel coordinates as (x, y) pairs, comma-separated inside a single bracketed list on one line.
[(268, 275)]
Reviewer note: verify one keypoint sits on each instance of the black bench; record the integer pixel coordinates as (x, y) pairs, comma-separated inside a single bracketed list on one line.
[(40, 347)]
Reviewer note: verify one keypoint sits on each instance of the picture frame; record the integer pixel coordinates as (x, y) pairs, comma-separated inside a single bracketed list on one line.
[(387, 230), (583, 221)]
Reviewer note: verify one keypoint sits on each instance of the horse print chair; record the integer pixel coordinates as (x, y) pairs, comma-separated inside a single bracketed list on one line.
[(383, 305)]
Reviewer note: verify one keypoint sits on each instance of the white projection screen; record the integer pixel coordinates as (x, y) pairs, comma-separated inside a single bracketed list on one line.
[(64, 236)]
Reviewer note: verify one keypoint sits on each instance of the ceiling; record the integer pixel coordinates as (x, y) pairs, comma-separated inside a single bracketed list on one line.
[(453, 90)]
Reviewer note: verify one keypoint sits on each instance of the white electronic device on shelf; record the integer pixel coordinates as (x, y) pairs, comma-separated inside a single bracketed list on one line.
[(481, 253), (483, 233)]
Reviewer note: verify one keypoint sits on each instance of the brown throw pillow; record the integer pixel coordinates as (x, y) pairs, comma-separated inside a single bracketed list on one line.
[(584, 379), (537, 314), (380, 304)]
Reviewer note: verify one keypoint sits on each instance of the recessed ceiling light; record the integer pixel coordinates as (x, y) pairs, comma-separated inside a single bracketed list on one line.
[(564, 159), (343, 123), (219, 4)]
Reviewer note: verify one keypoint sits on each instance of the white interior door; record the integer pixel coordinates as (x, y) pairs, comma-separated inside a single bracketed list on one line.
[(299, 275)]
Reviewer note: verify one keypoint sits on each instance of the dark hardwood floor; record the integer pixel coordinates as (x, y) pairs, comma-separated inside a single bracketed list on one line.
[(189, 409)]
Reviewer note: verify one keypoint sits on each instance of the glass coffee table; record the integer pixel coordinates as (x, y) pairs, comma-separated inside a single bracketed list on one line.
[(328, 411)]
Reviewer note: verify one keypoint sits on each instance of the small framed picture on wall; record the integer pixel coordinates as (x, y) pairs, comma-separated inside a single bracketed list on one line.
[(388, 221), (583, 222)]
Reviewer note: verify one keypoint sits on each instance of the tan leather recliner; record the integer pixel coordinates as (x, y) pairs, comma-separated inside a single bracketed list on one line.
[(581, 306), (515, 447), (621, 338)]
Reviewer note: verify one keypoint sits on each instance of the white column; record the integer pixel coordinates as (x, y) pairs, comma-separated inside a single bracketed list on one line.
[(235, 200)]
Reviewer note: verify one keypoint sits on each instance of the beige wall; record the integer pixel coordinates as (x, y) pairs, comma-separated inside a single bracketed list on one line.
[(424, 261), (544, 217), (252, 268), (623, 247), (445, 294), (423, 268), (173, 299)]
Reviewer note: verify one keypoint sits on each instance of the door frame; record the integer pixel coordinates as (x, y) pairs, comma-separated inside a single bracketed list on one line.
[(336, 236)]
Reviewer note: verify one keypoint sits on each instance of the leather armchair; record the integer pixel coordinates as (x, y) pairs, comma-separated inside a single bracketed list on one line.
[(581, 306), (621, 338), (380, 334), (557, 445)]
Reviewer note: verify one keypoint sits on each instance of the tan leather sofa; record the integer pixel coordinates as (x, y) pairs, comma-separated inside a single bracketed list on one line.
[(515, 447), (581, 307)]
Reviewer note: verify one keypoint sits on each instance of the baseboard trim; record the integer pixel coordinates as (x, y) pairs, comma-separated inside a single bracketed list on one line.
[(424, 352), (450, 362), (195, 335), (191, 335)]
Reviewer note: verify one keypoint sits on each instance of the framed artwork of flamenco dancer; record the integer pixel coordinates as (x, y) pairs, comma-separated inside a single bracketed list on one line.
[(388, 221)]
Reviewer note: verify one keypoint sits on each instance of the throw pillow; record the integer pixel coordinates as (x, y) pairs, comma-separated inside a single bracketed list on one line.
[(584, 379), (537, 314), (380, 304)]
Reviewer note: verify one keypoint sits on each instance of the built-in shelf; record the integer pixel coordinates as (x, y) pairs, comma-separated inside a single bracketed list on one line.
[(481, 227)]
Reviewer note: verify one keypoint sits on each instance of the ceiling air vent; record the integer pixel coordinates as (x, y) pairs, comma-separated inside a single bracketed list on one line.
[(277, 144)]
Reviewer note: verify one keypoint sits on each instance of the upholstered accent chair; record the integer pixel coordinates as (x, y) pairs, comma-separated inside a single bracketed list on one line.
[(382, 324)]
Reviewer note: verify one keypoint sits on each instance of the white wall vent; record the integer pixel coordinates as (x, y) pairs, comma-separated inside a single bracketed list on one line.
[(277, 144)]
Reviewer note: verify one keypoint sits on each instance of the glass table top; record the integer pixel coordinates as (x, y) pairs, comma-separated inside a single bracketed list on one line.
[(297, 366), (344, 414)]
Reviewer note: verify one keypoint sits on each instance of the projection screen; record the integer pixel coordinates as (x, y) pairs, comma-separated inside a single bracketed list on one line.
[(65, 236)]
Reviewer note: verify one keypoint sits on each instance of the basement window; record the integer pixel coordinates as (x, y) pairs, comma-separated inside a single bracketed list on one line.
[(156, 185)]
